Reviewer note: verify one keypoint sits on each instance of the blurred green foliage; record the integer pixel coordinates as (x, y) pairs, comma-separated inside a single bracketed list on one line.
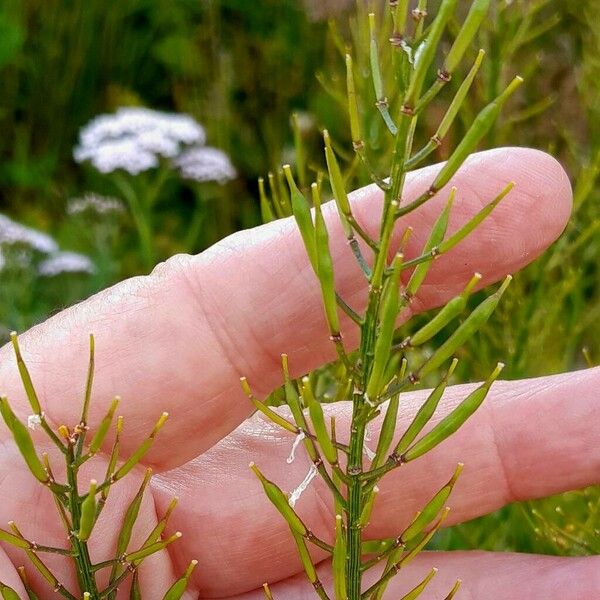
[(241, 69)]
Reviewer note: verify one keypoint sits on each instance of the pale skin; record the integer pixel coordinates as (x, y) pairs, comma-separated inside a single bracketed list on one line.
[(179, 340)]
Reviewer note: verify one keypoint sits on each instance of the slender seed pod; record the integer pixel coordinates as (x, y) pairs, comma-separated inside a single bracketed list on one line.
[(392, 367), (325, 268), (301, 212), (102, 431), (23, 442), (318, 421), (454, 590), (474, 222), (155, 534), (444, 316), (291, 395), (400, 15), (135, 593), (266, 211), (14, 540), (305, 558), (436, 237), (25, 376), (470, 27), (300, 154), (8, 593), (471, 325), (352, 103), (425, 413), (339, 560), (419, 589), (25, 580), (88, 513), (337, 182), (448, 425), (365, 516), (386, 434), (176, 591), (390, 308), (142, 450), (267, 592), (280, 501), (427, 51), (139, 555), (479, 128), (266, 410), (277, 203), (431, 509)]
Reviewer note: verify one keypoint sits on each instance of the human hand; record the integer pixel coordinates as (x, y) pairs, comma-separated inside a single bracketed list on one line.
[(179, 339)]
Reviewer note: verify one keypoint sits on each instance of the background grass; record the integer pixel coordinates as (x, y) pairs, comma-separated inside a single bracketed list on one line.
[(242, 68)]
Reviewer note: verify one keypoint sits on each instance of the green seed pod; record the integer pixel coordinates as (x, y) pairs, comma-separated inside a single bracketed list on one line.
[(291, 395), (480, 127), (325, 269), (90, 380), (266, 410), (267, 592), (142, 450), (25, 376), (400, 16), (139, 555), (300, 154), (425, 413), (352, 103), (436, 237), (307, 562), (266, 211), (177, 590), (449, 424), (473, 223), (427, 51), (471, 325), (339, 560), (431, 509), (23, 575), (444, 316), (88, 513), (365, 515), (23, 442), (417, 591), (104, 426), (469, 29), (280, 501), (337, 184), (454, 590), (14, 540), (386, 434), (318, 421), (135, 593), (8, 593), (301, 212), (390, 308)]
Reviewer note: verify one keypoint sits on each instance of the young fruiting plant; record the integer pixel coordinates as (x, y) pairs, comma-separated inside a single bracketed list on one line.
[(80, 504), (386, 364)]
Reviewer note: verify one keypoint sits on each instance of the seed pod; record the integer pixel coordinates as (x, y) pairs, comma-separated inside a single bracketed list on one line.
[(280, 501), (449, 424), (337, 185), (417, 591), (104, 426), (8, 593), (291, 395), (352, 104), (177, 590), (470, 26), (155, 534), (135, 593), (267, 592), (471, 325), (301, 212), (325, 267), (431, 509), (318, 421), (365, 515), (142, 450), (386, 434), (436, 237), (425, 413), (23, 442), (266, 410), (23, 575), (25, 376), (88, 513), (444, 316), (300, 154), (139, 555), (305, 558), (14, 540), (427, 51), (473, 223), (390, 307), (454, 590), (480, 127), (339, 560), (266, 211), (400, 16)]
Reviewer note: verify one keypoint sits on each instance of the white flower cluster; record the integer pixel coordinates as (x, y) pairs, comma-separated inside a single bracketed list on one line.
[(66, 262), (136, 139), (12, 232), (94, 203)]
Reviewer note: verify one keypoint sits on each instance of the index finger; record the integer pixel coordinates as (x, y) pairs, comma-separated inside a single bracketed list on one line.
[(179, 339)]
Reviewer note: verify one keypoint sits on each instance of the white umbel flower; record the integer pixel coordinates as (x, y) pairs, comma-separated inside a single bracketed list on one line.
[(94, 203), (12, 232), (204, 163), (66, 262), (134, 139)]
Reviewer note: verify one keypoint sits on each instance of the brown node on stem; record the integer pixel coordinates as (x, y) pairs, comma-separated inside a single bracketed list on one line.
[(444, 75)]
